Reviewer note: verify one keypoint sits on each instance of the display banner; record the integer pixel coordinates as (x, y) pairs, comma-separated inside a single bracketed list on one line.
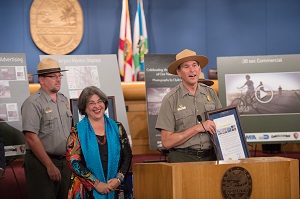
[(266, 92), (158, 83), (93, 70), (14, 90)]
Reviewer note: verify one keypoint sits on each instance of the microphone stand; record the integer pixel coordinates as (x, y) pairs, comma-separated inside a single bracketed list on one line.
[(210, 137)]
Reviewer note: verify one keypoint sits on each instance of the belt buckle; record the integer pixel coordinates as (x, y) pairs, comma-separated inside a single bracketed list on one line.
[(60, 157), (199, 153)]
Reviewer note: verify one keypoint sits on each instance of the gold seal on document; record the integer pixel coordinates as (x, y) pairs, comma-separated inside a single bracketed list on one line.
[(56, 26)]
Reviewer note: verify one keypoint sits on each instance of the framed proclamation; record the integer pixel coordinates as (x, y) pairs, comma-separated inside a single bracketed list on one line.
[(229, 139)]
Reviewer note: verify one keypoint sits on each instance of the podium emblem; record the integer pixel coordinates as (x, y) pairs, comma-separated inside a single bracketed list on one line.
[(236, 183)]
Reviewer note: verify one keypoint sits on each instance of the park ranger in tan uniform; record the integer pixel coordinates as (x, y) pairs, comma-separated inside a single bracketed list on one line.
[(46, 123), (181, 132)]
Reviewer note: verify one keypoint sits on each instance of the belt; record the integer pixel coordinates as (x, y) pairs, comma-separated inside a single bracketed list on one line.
[(57, 157), (200, 153)]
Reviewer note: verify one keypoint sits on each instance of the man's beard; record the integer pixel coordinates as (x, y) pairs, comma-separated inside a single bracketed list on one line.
[(54, 90)]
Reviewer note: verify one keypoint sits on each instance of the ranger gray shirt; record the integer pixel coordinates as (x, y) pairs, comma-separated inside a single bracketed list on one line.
[(50, 120), (179, 110)]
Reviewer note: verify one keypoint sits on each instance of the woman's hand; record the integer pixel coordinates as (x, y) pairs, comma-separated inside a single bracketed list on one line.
[(113, 184), (102, 188)]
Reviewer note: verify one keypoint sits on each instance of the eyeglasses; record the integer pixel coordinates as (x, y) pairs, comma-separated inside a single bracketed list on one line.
[(92, 104), (54, 76)]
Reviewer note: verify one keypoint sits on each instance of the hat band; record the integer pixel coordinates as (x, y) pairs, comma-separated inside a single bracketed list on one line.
[(49, 70)]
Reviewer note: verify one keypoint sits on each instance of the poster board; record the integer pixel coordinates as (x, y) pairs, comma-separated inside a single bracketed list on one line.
[(14, 90), (158, 83), (93, 70), (271, 113)]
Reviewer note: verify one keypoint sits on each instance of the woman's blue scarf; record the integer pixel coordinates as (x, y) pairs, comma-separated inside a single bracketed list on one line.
[(90, 150)]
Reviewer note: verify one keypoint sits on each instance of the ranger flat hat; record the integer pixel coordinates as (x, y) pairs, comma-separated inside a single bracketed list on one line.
[(48, 65), (207, 82), (187, 55)]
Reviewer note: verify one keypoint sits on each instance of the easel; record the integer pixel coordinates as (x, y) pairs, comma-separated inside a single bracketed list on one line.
[(254, 145), (9, 162)]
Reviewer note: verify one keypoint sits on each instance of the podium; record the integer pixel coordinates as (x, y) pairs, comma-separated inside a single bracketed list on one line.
[(271, 177)]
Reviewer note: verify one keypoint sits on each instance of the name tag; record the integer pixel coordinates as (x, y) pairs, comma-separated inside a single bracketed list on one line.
[(48, 110), (181, 107)]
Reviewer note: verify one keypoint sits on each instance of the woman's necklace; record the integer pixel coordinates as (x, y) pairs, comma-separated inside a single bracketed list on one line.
[(104, 140), (97, 129)]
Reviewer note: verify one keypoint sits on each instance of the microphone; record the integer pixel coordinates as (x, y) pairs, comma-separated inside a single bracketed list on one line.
[(199, 118)]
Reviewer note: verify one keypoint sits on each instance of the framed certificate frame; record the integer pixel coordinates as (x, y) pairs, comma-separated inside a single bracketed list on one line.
[(110, 111), (229, 139), (76, 115), (111, 108)]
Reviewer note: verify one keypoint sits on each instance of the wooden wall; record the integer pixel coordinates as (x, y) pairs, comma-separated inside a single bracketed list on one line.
[(135, 102)]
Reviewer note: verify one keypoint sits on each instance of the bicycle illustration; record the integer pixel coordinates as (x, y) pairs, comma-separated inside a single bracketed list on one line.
[(244, 102)]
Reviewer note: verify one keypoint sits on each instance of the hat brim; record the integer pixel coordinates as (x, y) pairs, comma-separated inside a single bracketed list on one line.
[(202, 60), (206, 82), (48, 72)]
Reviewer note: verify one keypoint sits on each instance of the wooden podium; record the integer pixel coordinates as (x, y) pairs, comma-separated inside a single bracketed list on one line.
[(272, 177)]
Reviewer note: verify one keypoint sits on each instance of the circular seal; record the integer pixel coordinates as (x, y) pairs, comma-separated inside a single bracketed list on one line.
[(236, 183), (56, 26)]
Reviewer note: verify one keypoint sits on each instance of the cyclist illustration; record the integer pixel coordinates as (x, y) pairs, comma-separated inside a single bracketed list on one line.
[(261, 88), (279, 90), (243, 102), (250, 88)]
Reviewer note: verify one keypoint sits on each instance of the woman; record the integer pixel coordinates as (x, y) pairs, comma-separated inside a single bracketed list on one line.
[(98, 151)]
